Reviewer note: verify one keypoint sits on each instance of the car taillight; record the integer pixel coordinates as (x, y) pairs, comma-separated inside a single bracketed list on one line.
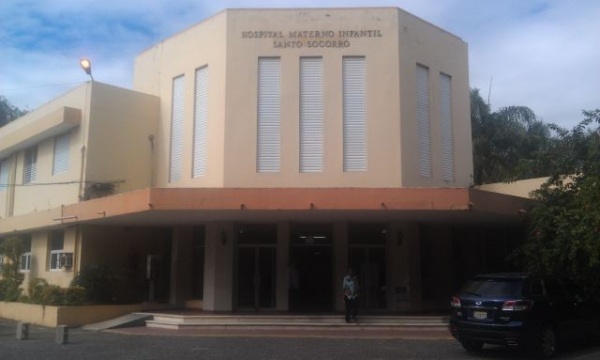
[(517, 305), (454, 302)]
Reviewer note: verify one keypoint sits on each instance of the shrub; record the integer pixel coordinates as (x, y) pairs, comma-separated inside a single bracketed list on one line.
[(99, 282), (52, 295), (36, 287), (74, 296), (40, 292)]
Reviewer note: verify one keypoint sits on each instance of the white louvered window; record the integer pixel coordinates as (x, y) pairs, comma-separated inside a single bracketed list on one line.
[(423, 125), (311, 114), (30, 168), (200, 122), (61, 153), (355, 126), (446, 127), (177, 119), (4, 165), (268, 157)]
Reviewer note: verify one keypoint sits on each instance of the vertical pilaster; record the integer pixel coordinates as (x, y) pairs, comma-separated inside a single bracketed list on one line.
[(283, 266), (218, 275), (340, 262), (181, 261), (404, 288)]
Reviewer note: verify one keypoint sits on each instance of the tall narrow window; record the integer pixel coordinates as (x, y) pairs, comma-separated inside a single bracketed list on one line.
[(61, 153), (269, 115), (311, 114), (355, 126), (4, 164), (30, 168), (423, 125), (200, 121), (1, 255), (57, 242), (176, 164), (446, 127), (25, 263)]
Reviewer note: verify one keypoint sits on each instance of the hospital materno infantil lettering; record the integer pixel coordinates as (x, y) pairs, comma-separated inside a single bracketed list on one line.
[(230, 162), (312, 34)]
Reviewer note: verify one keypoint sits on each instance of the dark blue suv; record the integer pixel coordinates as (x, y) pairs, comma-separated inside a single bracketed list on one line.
[(536, 312)]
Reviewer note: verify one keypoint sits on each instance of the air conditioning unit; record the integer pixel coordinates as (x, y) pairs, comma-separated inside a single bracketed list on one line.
[(65, 260)]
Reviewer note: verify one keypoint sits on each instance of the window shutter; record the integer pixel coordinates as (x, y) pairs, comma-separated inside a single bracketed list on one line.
[(4, 165), (61, 153), (355, 127), (311, 114), (200, 121), (177, 119), (269, 115), (446, 127), (30, 168), (423, 126)]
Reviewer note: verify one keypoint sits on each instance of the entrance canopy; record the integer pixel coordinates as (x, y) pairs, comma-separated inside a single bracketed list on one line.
[(154, 206)]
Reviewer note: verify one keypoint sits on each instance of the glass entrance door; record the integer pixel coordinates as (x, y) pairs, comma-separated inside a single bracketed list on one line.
[(367, 257), (256, 269), (311, 256), (256, 277), (369, 265)]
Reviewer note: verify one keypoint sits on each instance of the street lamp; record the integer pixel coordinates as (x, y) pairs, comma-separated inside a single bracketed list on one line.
[(86, 65)]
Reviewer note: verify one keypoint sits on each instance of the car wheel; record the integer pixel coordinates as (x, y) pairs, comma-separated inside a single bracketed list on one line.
[(546, 346), (472, 345)]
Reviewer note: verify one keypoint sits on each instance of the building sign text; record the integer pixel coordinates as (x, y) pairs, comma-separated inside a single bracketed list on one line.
[(311, 39)]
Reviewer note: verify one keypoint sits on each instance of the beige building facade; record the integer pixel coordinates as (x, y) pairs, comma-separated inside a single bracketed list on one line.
[(260, 154)]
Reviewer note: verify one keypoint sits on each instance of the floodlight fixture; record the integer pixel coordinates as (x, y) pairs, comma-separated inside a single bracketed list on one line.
[(86, 65)]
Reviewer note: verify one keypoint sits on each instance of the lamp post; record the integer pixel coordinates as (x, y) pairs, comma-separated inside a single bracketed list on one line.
[(86, 65)]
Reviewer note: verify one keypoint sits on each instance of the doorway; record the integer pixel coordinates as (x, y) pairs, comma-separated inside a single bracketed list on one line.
[(311, 259), (367, 257), (369, 266), (256, 268)]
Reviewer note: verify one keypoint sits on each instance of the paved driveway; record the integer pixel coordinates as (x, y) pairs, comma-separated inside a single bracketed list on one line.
[(140, 343)]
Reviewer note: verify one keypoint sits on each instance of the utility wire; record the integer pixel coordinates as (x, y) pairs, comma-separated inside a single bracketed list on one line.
[(62, 183)]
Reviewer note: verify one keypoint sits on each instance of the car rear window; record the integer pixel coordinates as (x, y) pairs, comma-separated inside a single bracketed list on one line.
[(493, 287)]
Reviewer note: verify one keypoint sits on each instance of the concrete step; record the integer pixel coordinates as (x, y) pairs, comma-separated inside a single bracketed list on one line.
[(176, 321)]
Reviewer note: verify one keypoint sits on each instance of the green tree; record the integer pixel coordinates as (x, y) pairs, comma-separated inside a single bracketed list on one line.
[(564, 236), (12, 278), (9, 112), (509, 144)]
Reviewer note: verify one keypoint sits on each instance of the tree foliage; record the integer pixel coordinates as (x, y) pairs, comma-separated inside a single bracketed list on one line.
[(12, 278), (509, 144), (564, 236), (9, 112)]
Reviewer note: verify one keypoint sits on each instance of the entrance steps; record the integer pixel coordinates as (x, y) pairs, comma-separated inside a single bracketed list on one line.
[(321, 322)]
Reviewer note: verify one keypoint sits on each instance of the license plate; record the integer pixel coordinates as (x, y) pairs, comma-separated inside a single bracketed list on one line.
[(480, 314)]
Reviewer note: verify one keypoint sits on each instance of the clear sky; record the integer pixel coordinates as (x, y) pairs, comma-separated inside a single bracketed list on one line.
[(544, 54)]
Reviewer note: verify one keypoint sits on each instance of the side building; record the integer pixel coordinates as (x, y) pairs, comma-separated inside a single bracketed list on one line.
[(262, 153)]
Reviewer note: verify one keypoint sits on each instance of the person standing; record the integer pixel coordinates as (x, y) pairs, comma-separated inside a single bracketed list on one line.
[(350, 288)]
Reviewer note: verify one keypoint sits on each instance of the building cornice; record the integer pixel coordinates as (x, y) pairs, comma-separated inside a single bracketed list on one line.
[(13, 138)]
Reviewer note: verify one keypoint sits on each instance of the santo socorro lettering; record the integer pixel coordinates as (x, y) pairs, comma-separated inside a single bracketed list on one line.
[(311, 39)]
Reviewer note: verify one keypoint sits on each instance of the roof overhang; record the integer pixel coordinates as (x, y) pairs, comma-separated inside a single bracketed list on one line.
[(15, 137), (157, 207)]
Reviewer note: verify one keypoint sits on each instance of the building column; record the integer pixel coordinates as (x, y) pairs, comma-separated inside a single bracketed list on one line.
[(218, 275), (404, 287), (181, 269), (412, 237), (283, 267), (340, 262), (442, 268)]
